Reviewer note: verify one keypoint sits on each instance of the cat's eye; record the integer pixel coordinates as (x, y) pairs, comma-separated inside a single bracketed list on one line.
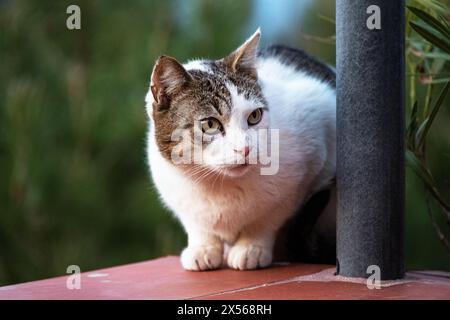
[(255, 117), (211, 126)]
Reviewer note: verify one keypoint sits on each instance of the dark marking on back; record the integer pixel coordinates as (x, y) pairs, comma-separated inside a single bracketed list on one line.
[(298, 241), (301, 61)]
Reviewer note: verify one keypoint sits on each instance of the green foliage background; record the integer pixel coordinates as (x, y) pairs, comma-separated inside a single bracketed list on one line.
[(74, 184)]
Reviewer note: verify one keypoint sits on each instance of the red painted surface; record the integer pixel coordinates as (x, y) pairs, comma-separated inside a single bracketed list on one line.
[(339, 291), (165, 279)]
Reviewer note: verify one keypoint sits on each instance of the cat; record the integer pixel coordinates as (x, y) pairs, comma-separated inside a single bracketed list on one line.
[(231, 210)]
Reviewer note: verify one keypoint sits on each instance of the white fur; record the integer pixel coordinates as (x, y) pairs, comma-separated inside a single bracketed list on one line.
[(196, 64), (245, 213)]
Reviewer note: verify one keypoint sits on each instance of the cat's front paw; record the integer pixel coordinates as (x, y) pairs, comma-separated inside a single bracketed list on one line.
[(248, 257), (199, 258)]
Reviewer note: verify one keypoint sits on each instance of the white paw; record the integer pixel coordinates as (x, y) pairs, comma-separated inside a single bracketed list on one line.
[(198, 258), (247, 257)]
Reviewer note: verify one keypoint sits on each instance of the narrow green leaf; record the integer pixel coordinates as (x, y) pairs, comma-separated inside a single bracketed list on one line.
[(436, 55), (436, 66), (414, 163), (419, 132), (412, 127), (443, 80), (444, 21), (430, 20), (439, 42), (432, 4), (429, 121)]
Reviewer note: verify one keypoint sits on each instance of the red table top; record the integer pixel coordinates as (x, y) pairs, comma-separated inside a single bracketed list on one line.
[(165, 279)]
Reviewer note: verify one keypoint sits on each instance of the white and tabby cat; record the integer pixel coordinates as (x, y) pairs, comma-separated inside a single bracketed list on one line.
[(230, 211)]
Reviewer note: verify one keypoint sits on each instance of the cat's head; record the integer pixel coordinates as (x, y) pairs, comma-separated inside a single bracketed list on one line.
[(212, 106)]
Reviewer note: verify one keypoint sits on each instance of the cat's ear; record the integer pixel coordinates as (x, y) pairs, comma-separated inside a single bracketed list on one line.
[(168, 78), (243, 59)]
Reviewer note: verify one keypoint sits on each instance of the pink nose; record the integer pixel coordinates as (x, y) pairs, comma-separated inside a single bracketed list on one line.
[(245, 151)]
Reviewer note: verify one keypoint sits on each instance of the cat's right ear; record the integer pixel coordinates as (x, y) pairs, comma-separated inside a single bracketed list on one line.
[(168, 78), (243, 59)]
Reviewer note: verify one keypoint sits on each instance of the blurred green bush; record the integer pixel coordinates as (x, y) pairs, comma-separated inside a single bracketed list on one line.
[(74, 183)]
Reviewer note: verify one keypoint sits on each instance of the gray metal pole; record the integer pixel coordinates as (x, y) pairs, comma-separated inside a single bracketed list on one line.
[(370, 133)]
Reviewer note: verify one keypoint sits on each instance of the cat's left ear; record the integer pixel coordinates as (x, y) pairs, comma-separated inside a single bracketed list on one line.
[(243, 59)]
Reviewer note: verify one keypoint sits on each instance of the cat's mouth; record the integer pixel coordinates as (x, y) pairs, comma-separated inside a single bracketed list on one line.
[(234, 170), (237, 166)]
